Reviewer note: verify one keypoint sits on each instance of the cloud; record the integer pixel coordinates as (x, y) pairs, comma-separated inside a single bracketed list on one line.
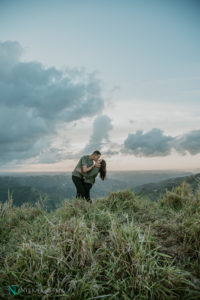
[(100, 135), (110, 153), (34, 100), (155, 143), (152, 143), (189, 142), (52, 155)]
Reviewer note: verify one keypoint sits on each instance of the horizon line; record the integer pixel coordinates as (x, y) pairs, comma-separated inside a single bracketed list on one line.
[(134, 170)]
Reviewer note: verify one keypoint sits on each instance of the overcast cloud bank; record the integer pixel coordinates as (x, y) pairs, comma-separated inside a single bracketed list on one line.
[(35, 101)]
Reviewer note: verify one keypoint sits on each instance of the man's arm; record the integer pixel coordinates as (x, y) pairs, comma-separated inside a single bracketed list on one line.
[(85, 169), (91, 174), (96, 164), (80, 170)]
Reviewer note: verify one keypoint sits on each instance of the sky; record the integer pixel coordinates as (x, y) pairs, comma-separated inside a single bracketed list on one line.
[(118, 76)]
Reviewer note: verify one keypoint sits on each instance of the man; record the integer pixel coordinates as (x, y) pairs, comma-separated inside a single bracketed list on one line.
[(87, 164)]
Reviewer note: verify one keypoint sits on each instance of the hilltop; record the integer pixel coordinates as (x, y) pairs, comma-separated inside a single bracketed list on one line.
[(119, 247)]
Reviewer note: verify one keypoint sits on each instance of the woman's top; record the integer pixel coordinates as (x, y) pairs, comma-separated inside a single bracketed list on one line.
[(90, 176)]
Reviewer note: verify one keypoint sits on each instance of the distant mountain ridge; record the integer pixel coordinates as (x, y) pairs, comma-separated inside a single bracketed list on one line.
[(154, 190), (54, 188), (57, 187)]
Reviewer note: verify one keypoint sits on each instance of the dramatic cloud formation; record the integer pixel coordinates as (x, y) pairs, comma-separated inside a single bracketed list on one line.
[(100, 135), (155, 143), (34, 100)]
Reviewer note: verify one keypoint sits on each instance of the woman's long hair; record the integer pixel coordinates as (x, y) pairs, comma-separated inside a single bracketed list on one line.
[(102, 169)]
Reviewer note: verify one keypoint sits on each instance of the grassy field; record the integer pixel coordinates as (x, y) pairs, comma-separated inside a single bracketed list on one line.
[(118, 247)]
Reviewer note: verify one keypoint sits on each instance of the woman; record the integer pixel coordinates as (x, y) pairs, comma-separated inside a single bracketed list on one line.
[(89, 177)]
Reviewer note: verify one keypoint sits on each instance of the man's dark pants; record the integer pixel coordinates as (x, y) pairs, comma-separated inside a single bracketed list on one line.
[(87, 186), (82, 188)]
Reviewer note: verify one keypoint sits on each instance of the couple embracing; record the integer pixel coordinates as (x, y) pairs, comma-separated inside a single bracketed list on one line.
[(85, 172)]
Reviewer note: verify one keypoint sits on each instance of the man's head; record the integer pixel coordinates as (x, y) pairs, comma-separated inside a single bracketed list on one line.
[(95, 155)]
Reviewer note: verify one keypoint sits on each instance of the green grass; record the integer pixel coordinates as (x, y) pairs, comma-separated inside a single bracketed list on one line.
[(118, 247)]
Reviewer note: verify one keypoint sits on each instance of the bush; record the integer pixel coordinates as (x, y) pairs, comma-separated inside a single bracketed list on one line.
[(177, 198)]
